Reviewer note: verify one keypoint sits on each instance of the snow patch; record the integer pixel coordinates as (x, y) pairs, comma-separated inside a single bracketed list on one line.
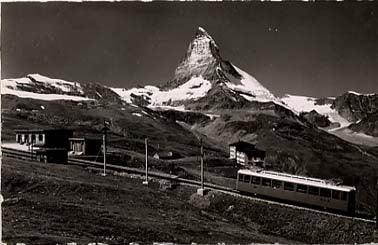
[(136, 114), (307, 104), (98, 94), (355, 93), (212, 116), (42, 107)]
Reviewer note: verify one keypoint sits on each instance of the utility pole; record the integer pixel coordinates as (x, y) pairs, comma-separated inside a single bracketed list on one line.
[(202, 185), (201, 191), (146, 145), (376, 212), (104, 138)]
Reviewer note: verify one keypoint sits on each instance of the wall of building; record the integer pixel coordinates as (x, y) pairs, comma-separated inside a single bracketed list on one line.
[(232, 152), (38, 139), (241, 158), (58, 139)]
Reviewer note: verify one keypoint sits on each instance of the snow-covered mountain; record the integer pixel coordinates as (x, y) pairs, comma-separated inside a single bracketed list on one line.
[(323, 106), (40, 87), (201, 73), (35, 86)]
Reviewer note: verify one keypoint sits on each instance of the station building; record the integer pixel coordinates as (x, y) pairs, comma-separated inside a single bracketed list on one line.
[(49, 145), (246, 154), (46, 138)]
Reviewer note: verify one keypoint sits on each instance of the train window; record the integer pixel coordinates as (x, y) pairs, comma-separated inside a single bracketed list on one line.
[(276, 184), (302, 188), (241, 177), (325, 192), (266, 182), (335, 194), (344, 195), (256, 180), (313, 190), (247, 178), (289, 186)]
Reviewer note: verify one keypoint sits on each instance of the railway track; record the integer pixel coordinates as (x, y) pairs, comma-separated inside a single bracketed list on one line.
[(84, 163)]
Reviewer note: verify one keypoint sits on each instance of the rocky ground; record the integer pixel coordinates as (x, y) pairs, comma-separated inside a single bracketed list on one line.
[(47, 204)]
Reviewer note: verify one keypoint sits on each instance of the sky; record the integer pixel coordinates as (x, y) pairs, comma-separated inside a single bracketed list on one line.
[(312, 49)]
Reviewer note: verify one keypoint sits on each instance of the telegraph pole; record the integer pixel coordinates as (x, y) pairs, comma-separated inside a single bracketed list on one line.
[(202, 180), (376, 212), (104, 138), (201, 191), (146, 145)]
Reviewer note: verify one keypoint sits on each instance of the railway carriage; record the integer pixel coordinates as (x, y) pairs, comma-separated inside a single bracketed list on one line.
[(298, 189)]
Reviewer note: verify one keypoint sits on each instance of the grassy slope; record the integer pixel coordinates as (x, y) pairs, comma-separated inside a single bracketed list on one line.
[(128, 130), (56, 203), (46, 204)]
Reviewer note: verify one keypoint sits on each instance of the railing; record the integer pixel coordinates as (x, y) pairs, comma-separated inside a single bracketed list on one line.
[(9, 152)]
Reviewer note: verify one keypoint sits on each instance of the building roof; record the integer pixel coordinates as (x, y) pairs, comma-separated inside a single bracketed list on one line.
[(242, 144), (43, 130), (297, 179), (84, 138)]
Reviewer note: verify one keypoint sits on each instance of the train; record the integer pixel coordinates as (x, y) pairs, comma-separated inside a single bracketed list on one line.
[(313, 192)]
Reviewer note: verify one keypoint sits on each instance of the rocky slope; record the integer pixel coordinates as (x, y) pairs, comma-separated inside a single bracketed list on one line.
[(368, 125), (353, 106)]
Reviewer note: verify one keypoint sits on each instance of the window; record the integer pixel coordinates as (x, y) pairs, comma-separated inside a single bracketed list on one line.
[(247, 178), (335, 194), (33, 138), (40, 137), (256, 180), (288, 186), (325, 192), (276, 184), (302, 188), (313, 190), (241, 177), (18, 138), (266, 182), (344, 195)]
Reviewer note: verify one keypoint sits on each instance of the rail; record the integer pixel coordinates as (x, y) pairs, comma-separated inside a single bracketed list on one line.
[(25, 155)]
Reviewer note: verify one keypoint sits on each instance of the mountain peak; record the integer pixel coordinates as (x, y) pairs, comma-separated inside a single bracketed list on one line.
[(203, 73), (201, 32)]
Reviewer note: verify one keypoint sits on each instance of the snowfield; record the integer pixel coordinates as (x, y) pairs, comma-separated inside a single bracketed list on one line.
[(251, 86), (15, 87), (195, 88), (307, 104)]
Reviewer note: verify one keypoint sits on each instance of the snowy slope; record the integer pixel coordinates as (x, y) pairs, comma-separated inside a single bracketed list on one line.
[(249, 85), (307, 104), (195, 88), (40, 87)]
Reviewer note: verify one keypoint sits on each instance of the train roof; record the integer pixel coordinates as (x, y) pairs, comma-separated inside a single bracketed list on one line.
[(297, 179)]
